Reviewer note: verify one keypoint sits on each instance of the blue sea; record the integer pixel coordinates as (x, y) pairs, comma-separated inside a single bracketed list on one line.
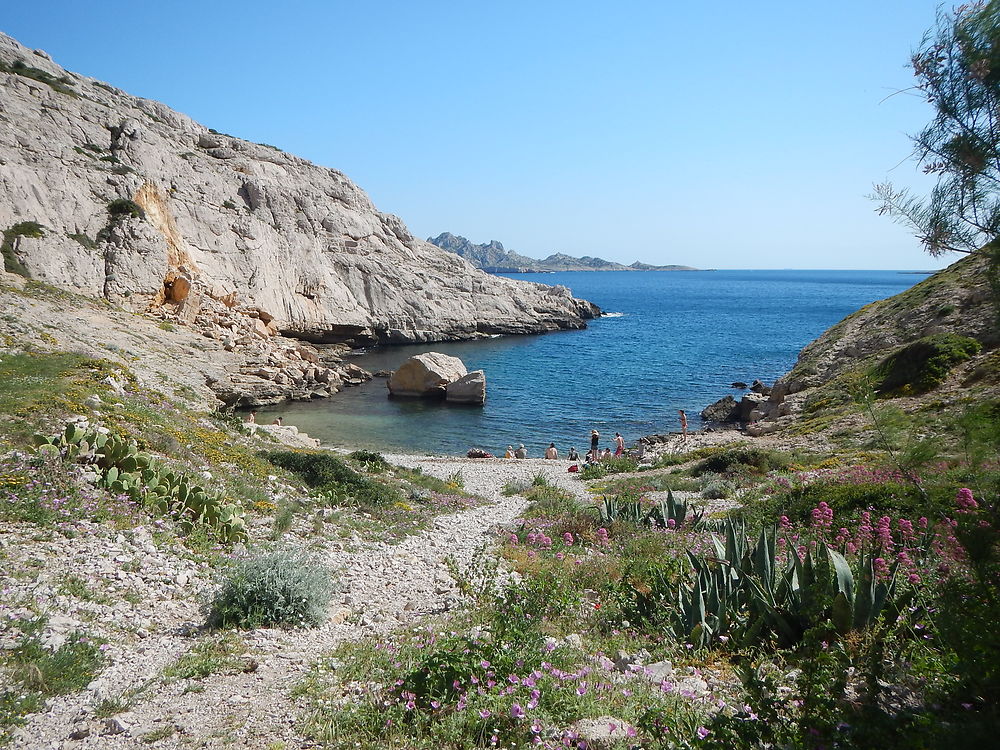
[(669, 341)]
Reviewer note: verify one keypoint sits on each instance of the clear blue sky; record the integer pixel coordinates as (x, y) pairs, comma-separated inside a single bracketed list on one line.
[(727, 134)]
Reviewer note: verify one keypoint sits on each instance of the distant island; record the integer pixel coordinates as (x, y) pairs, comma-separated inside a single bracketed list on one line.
[(493, 258)]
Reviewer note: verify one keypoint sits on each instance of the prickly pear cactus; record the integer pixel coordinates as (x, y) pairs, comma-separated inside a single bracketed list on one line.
[(125, 470)]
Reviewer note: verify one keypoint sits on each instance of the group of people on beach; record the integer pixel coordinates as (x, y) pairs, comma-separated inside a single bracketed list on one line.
[(594, 455)]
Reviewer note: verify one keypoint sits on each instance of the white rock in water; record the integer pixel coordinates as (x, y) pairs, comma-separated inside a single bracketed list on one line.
[(426, 375), (468, 389)]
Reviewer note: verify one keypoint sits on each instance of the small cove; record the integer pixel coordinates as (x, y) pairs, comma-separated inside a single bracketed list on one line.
[(673, 340)]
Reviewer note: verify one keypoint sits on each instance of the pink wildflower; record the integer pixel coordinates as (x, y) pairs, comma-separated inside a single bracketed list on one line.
[(965, 501)]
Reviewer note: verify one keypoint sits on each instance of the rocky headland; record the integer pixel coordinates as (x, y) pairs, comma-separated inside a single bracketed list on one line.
[(492, 257), (122, 199), (936, 340)]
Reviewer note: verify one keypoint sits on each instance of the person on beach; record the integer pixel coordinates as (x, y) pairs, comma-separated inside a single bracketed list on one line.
[(606, 454), (684, 424), (573, 455), (619, 445), (521, 452), (595, 438), (252, 417), (277, 421), (509, 453), (551, 452)]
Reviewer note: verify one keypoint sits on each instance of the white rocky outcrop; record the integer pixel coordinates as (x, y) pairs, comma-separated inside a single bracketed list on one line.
[(249, 224), (468, 389), (426, 375)]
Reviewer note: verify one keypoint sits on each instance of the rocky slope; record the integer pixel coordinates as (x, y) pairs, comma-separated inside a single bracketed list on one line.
[(492, 257), (110, 195), (956, 301)]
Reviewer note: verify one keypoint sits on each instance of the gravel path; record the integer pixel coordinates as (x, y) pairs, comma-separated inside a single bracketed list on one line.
[(383, 587)]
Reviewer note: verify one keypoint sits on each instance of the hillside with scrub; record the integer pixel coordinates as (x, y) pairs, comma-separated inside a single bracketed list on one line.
[(174, 577)]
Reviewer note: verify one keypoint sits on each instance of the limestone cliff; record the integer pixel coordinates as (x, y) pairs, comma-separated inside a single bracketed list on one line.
[(110, 195)]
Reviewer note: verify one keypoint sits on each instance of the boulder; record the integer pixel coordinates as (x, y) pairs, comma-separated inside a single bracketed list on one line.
[(738, 384), (426, 375), (748, 404), (724, 410), (759, 387), (602, 733), (468, 389)]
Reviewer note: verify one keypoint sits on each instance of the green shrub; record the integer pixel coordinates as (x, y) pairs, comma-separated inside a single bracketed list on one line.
[(846, 500), (717, 489), (370, 461), (23, 229), (746, 459), (125, 470), (619, 465), (61, 84), (122, 207), (284, 587), (84, 241), (922, 365), (332, 477)]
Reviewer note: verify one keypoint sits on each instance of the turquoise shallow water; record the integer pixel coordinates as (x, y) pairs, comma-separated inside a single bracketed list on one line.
[(673, 340)]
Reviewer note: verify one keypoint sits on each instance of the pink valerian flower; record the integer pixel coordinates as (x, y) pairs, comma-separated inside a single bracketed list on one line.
[(865, 529), (822, 517), (913, 578), (671, 523), (568, 539), (784, 523), (602, 537), (512, 539), (881, 567), (906, 530), (885, 534), (702, 733), (965, 501)]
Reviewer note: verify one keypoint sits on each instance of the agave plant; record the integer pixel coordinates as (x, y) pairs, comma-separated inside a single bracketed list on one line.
[(743, 592), (675, 511), (667, 513)]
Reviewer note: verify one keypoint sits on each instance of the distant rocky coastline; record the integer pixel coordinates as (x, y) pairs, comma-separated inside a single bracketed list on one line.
[(492, 257)]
